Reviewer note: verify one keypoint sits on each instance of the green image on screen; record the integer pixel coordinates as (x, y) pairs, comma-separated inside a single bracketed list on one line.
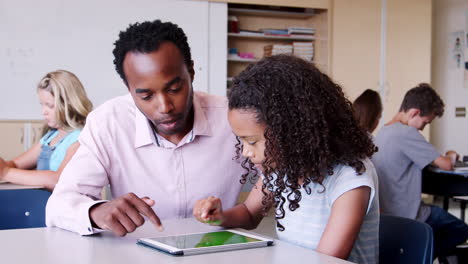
[(219, 238)]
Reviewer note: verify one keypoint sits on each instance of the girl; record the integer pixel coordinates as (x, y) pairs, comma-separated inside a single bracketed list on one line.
[(368, 109), (297, 128), (65, 107)]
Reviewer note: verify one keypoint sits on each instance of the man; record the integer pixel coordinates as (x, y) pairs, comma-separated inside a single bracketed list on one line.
[(161, 147), (403, 153)]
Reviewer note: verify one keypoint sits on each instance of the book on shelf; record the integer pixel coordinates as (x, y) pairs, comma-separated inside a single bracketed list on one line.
[(301, 36), (304, 50), (253, 32), (275, 31), (303, 44), (275, 49), (301, 30)]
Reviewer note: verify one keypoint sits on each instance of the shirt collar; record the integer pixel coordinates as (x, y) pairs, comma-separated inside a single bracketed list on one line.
[(201, 126), (144, 132)]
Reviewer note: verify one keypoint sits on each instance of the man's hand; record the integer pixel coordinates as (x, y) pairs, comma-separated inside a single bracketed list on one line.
[(209, 211), (453, 155), (124, 214)]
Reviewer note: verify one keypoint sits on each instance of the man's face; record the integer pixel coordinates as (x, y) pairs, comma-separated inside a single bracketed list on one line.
[(160, 83), (419, 122)]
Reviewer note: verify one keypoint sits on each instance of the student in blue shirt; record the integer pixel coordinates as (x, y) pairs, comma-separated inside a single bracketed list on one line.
[(296, 127), (64, 106)]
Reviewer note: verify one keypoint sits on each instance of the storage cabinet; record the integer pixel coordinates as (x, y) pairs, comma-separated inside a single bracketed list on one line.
[(252, 19), (18, 136)]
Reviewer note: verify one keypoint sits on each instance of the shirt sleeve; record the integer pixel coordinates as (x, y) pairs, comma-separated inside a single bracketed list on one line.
[(417, 149), (347, 179), (81, 182)]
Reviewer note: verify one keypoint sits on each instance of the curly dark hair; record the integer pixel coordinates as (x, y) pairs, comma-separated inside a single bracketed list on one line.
[(146, 37), (310, 127), (424, 98)]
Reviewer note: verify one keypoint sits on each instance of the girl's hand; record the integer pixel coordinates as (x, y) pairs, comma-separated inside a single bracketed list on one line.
[(3, 168), (209, 211)]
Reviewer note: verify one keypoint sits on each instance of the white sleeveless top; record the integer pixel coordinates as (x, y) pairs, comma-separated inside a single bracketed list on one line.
[(305, 225)]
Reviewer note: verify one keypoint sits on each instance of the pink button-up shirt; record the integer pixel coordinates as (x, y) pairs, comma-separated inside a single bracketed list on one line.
[(118, 147)]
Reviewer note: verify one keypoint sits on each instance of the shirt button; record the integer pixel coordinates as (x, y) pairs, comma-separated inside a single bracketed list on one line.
[(89, 229)]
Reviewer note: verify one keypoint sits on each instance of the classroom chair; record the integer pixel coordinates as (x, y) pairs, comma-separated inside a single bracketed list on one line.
[(24, 208), (403, 240), (462, 200)]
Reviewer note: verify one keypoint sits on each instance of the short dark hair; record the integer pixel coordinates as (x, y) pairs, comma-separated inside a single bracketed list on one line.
[(424, 98), (146, 37), (367, 108)]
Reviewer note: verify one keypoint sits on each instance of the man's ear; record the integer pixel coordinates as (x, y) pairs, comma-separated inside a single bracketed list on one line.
[(191, 71), (413, 112)]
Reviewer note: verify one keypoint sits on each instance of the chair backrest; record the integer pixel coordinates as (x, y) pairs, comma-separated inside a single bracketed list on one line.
[(403, 240), (24, 208)]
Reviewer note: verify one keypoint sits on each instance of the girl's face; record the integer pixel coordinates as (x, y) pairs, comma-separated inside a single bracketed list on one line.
[(46, 100), (251, 133)]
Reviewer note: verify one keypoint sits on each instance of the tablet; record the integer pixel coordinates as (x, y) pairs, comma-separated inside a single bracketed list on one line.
[(200, 243)]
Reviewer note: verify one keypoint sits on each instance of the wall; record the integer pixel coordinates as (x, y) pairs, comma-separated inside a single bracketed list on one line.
[(449, 132), (382, 45), (217, 53), (408, 50), (41, 36), (356, 45)]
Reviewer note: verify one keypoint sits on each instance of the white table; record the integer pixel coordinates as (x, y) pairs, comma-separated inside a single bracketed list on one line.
[(53, 245)]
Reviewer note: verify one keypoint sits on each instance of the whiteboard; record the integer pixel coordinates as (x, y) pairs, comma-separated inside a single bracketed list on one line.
[(41, 36)]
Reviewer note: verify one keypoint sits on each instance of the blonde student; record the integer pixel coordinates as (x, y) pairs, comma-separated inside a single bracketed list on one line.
[(301, 142), (64, 106)]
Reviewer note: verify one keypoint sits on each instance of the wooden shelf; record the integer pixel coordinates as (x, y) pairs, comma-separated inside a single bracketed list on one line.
[(263, 36), (255, 17), (271, 13)]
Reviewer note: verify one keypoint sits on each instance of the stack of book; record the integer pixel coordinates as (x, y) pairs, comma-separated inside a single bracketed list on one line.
[(275, 32), (270, 50), (304, 50), (301, 31)]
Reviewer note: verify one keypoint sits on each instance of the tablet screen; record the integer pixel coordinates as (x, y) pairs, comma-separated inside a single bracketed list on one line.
[(219, 238)]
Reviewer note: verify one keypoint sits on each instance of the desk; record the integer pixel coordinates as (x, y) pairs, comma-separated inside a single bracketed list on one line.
[(444, 183), (53, 245)]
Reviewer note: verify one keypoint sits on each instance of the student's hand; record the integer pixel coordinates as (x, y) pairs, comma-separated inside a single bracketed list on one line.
[(209, 211), (124, 214), (453, 155), (3, 168)]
